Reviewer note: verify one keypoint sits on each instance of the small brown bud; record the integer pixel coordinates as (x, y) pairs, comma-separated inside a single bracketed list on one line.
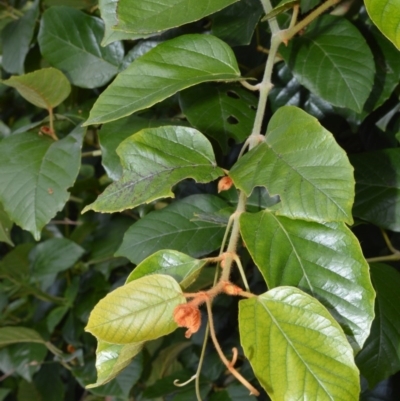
[(224, 184), (188, 315), (231, 289)]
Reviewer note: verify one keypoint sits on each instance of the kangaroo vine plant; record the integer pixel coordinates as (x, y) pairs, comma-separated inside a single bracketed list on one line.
[(221, 221)]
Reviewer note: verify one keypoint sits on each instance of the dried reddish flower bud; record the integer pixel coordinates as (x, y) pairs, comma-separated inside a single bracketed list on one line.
[(188, 315), (224, 184), (231, 289)]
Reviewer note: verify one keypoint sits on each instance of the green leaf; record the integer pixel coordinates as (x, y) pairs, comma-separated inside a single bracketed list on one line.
[(385, 14), (181, 267), (168, 68), (235, 24), (141, 310), (321, 61), (302, 163), (174, 228), (52, 257), (221, 112), (112, 134), (111, 359), (145, 17), (380, 357), (283, 6), (295, 347), (28, 392), (378, 187), (18, 334), (307, 5), (45, 88), (108, 10), (16, 38), (324, 260), (70, 40), (153, 160), (5, 227), (36, 172)]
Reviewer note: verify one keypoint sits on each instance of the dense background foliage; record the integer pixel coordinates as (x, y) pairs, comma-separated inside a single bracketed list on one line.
[(59, 256)]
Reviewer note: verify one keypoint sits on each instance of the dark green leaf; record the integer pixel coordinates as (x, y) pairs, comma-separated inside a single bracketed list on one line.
[(141, 310), (378, 187), (112, 134), (16, 38), (145, 17), (235, 24), (45, 88), (307, 5), (173, 228), (380, 357), (51, 257), (70, 40), (181, 267), (5, 227), (28, 392), (321, 61), (283, 6), (296, 348), (221, 112), (153, 160), (112, 359), (49, 383), (301, 162), (36, 172), (386, 16), (168, 68), (324, 260)]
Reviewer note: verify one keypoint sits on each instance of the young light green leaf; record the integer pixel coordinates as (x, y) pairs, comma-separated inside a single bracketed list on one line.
[(321, 61), (183, 268), (35, 175), (380, 357), (112, 134), (173, 227), (221, 112), (16, 334), (146, 17), (5, 227), (324, 260), (168, 68), (385, 14), (287, 331), (70, 40), (16, 39), (378, 187), (153, 160), (301, 162), (141, 310), (45, 88), (111, 359)]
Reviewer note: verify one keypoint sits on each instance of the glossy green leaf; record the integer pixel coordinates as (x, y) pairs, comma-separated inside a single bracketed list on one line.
[(378, 187), (296, 349), (112, 134), (174, 228), (301, 162), (221, 112), (321, 61), (283, 6), (183, 268), (16, 38), (141, 310), (17, 334), (52, 257), (168, 68), (380, 357), (153, 160), (146, 17), (70, 40), (111, 359), (36, 172), (5, 227), (235, 24), (324, 260), (385, 14), (45, 88), (108, 10)]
